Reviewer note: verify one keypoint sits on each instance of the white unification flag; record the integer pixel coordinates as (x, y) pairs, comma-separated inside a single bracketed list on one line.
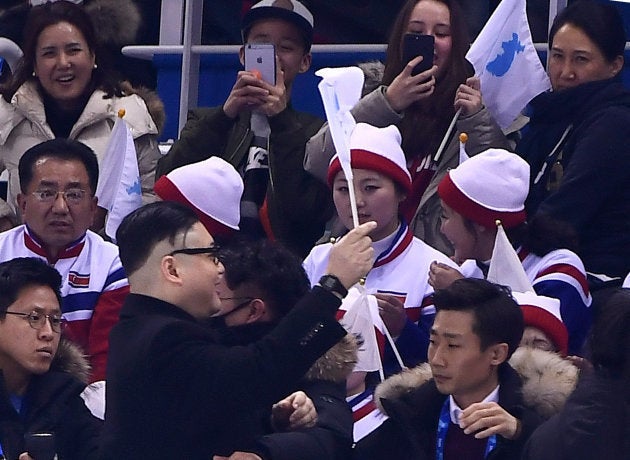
[(340, 90), (118, 188), (361, 318), (506, 62), (505, 267)]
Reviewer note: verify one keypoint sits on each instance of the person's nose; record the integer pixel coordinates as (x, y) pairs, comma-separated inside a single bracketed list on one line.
[(60, 205), (46, 331), (436, 357), (63, 60), (567, 72), (359, 196)]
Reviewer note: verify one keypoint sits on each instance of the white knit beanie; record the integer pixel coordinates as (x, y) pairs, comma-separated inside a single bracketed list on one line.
[(489, 186), (376, 149), (544, 313), (212, 188)]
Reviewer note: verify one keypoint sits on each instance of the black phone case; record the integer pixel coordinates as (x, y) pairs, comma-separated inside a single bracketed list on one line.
[(40, 446), (419, 45)]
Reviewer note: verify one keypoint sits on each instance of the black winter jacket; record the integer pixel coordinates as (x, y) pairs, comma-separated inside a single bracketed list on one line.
[(52, 404), (594, 191), (593, 425)]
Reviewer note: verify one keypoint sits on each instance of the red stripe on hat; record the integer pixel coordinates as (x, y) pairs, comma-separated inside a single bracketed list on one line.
[(363, 159), (454, 198), (168, 191), (548, 323), (567, 270)]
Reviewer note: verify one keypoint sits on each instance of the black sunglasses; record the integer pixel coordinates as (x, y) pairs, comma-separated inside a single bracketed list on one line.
[(214, 250)]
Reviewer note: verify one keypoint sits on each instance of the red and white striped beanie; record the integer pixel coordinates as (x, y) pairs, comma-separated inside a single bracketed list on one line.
[(489, 186), (212, 188), (544, 313), (376, 149)]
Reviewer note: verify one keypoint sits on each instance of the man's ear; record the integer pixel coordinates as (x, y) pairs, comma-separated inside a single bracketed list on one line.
[(498, 353), (256, 311), (305, 63), (21, 200), (168, 268)]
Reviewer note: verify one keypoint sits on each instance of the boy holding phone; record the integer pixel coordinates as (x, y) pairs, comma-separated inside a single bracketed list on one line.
[(262, 136)]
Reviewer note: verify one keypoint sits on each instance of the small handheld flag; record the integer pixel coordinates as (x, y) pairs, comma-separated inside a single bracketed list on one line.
[(340, 90), (506, 62), (505, 267), (118, 188)]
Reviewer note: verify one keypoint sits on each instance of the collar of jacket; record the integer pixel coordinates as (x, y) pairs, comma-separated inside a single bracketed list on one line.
[(546, 378), (578, 102), (140, 305), (27, 103)]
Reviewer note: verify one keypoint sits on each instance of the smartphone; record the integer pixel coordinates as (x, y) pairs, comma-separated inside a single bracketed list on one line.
[(40, 446), (261, 57), (418, 45)]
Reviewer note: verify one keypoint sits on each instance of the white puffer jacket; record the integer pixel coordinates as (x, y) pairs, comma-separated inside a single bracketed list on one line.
[(23, 125)]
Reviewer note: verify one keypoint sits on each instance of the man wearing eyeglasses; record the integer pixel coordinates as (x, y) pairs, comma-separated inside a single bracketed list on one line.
[(171, 386), (58, 179), (38, 395)]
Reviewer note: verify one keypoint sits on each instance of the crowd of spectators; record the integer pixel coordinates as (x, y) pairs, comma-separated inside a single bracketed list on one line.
[(263, 304)]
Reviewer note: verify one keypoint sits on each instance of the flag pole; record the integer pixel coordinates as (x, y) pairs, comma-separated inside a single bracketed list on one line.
[(440, 149)]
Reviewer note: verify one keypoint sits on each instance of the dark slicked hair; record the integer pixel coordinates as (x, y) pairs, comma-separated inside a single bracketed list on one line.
[(600, 22), (22, 272), (497, 316), (141, 230), (60, 149), (271, 269)]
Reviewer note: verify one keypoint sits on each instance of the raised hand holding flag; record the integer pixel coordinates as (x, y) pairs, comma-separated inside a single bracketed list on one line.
[(506, 62)]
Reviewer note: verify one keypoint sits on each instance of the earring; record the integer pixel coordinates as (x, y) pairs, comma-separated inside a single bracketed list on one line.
[(95, 66), (34, 74)]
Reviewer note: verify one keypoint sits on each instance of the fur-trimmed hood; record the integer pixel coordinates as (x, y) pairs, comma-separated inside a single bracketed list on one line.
[(115, 21), (373, 72), (71, 360), (151, 99), (548, 380)]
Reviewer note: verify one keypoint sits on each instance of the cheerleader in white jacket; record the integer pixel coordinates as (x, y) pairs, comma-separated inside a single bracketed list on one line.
[(399, 277), (493, 186)]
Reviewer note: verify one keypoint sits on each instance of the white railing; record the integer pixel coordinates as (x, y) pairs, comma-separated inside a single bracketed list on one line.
[(180, 33)]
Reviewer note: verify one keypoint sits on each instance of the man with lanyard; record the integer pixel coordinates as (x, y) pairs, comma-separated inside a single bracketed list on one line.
[(469, 404)]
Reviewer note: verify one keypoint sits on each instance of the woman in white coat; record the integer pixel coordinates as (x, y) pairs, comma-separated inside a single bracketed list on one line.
[(60, 89)]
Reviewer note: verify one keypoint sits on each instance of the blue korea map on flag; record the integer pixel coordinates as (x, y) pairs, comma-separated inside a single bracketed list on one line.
[(118, 189), (506, 62)]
